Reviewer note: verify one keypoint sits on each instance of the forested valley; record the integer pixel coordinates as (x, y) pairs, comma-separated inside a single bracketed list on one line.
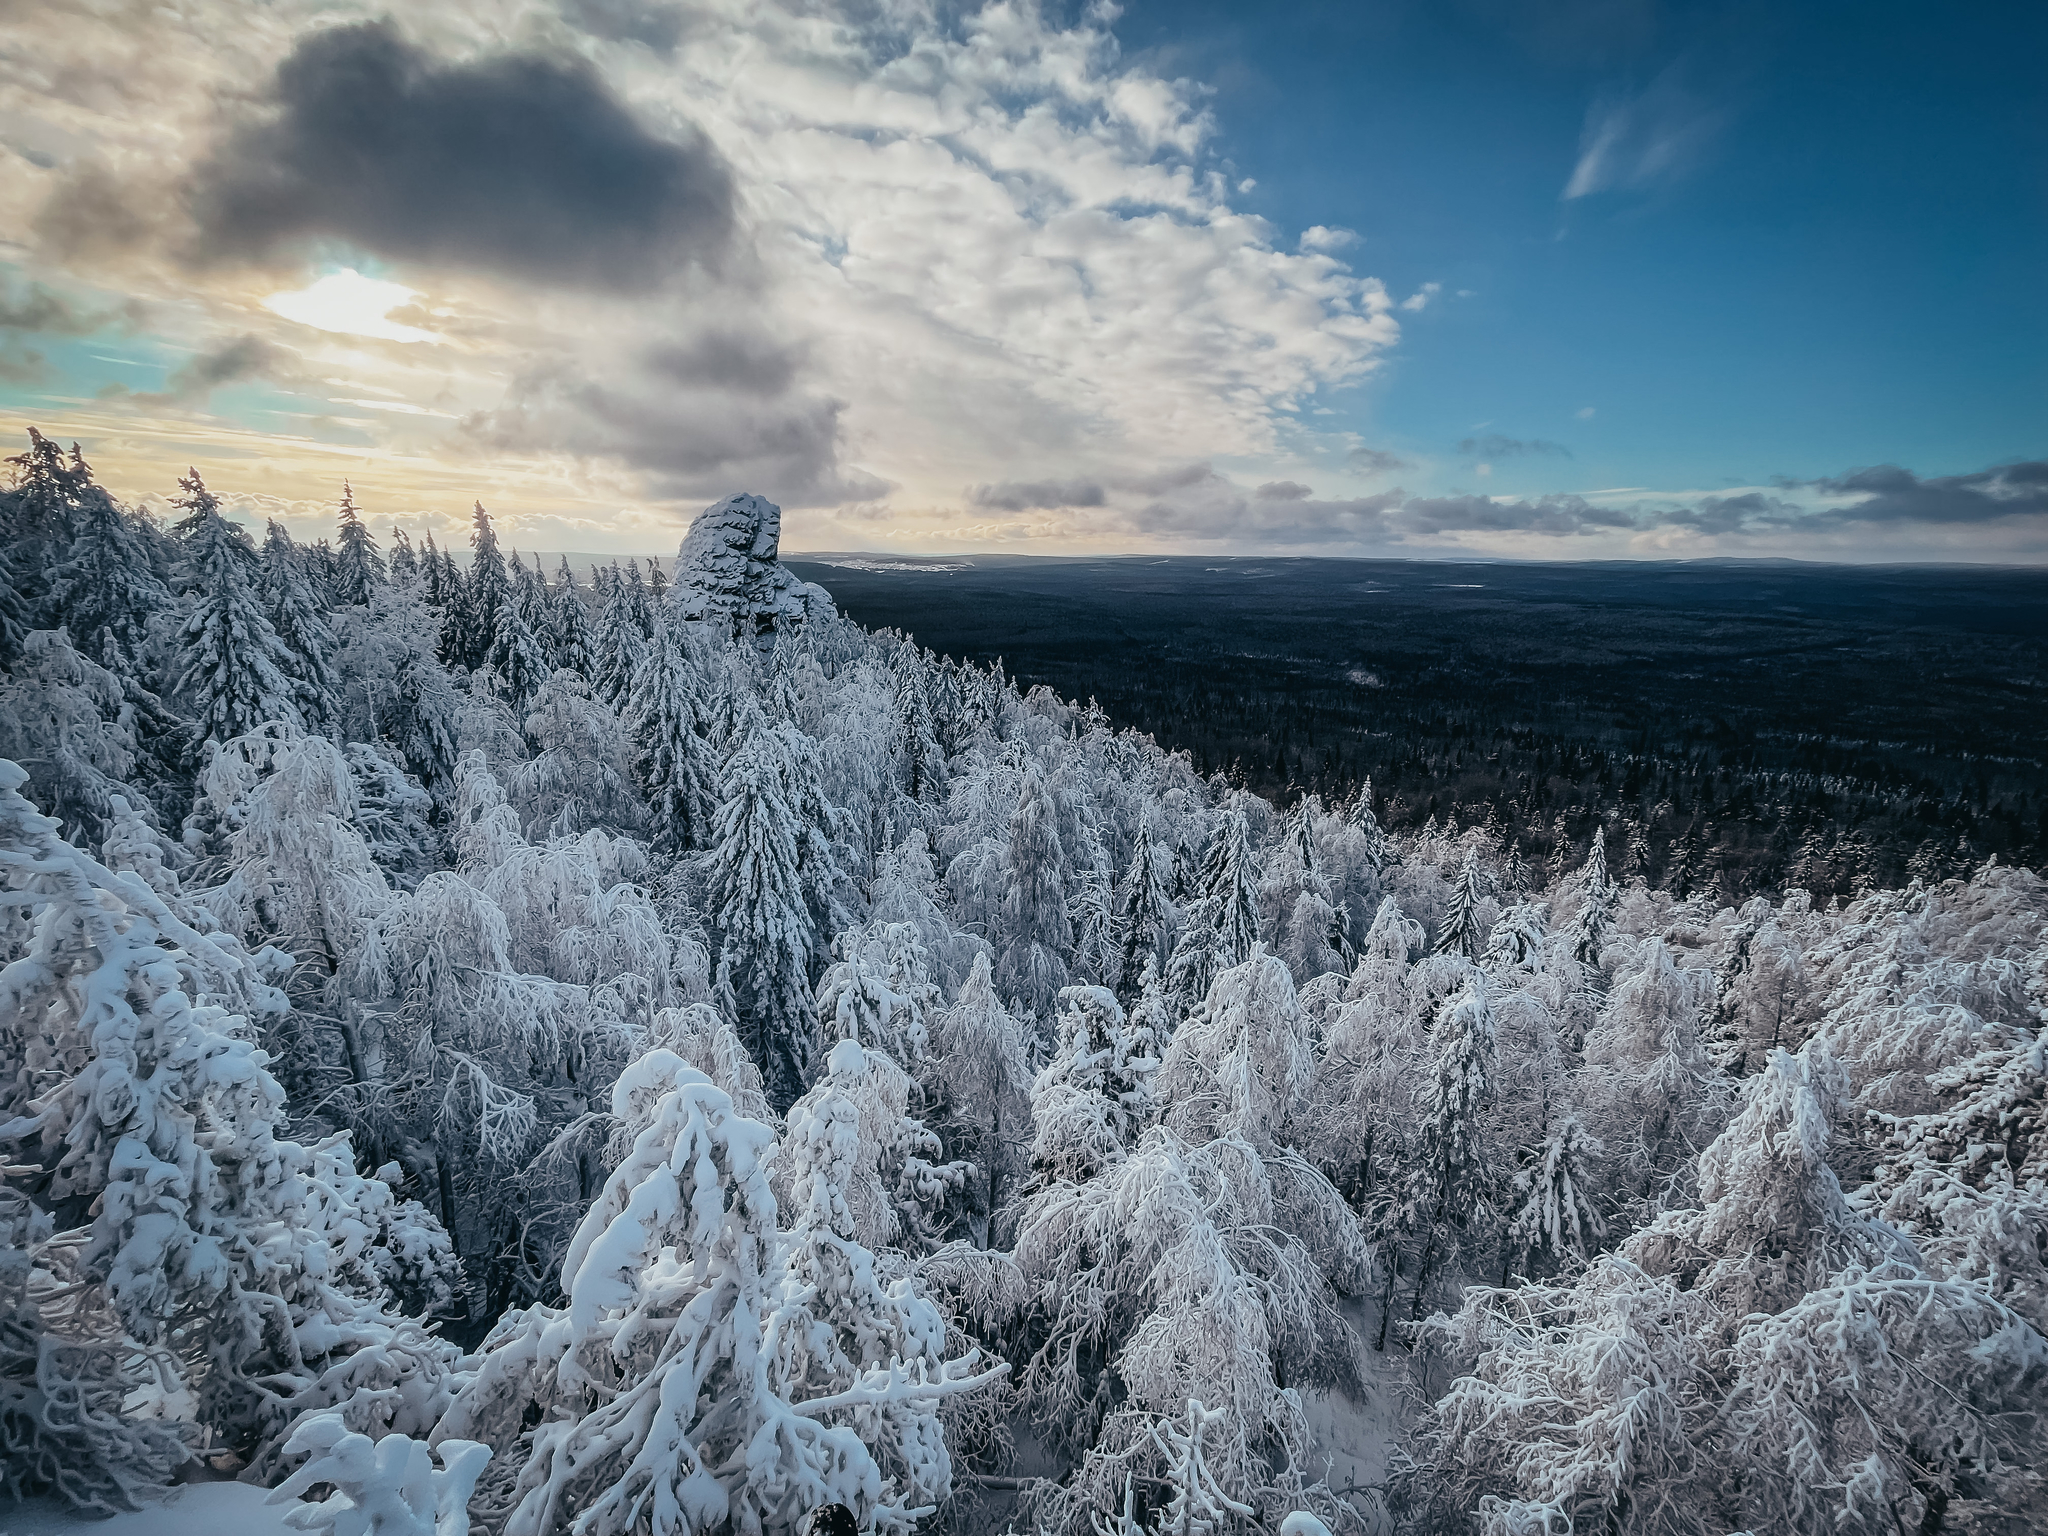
[(1746, 725), (605, 1052)]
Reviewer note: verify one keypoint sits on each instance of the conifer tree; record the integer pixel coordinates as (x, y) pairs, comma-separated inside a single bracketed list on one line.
[(45, 494), (289, 603), (620, 645), (236, 668), (105, 591), (358, 568), (1144, 918), (516, 655), (1036, 931), (1223, 922), (405, 565), (1461, 933), (471, 622), (758, 903), (676, 765), (434, 574), (569, 623), (917, 740), (197, 503), (1454, 1173)]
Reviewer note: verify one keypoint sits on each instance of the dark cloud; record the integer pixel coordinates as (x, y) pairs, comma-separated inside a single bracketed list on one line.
[(23, 367), (93, 216), (1036, 495), (1375, 461), (1891, 494), (695, 443), (1423, 516), (243, 357), (1197, 503), (40, 312), (1495, 446), (517, 164), (750, 363)]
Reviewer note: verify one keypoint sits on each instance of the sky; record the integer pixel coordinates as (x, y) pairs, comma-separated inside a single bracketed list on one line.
[(1543, 279)]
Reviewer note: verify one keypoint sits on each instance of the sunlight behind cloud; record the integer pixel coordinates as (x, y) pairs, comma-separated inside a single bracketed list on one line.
[(350, 304)]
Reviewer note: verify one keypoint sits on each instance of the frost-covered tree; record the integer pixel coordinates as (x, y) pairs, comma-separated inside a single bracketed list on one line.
[(235, 668), (675, 761), (405, 561), (105, 590), (568, 633), (470, 620), (708, 1364), (294, 612), (253, 1268), (1464, 928), (1036, 933), (764, 923), (977, 1082), (1222, 924), (917, 741), (517, 656), (620, 643), (1091, 1101), (358, 567), (1452, 1184), (1145, 916), (1551, 1211), (579, 776)]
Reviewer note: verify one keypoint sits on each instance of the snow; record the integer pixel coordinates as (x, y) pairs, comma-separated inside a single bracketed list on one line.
[(194, 1509), (746, 1152)]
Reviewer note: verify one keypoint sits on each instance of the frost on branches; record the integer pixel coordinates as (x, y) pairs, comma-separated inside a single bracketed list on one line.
[(240, 1264), (729, 1019), (709, 1365)]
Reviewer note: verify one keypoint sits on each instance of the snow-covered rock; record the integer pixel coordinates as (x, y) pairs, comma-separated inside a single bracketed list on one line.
[(728, 571)]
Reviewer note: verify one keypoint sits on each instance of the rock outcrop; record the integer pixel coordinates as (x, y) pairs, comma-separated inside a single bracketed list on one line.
[(728, 574)]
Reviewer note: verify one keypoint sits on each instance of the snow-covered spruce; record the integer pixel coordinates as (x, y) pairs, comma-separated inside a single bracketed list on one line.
[(1178, 1099), (711, 1365)]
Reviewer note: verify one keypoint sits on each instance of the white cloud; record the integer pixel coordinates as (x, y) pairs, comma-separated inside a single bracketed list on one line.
[(1631, 142), (1418, 301), (978, 250), (1585, 413)]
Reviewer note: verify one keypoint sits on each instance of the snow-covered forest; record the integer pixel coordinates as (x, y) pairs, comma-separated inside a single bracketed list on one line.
[(542, 1052)]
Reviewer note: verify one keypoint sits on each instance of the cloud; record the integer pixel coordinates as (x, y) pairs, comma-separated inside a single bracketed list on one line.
[(1631, 142), (1585, 413), (1320, 237), (1888, 494), (943, 249), (657, 26), (39, 311), (514, 163), (233, 361), (1283, 490), (1375, 461), (1495, 446), (1418, 301), (1036, 495), (728, 358), (696, 444), (22, 366)]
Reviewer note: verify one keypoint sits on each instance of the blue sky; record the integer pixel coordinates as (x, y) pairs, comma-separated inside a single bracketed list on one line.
[(1541, 280), (1843, 261)]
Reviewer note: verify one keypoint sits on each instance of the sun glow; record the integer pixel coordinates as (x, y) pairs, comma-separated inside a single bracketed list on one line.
[(350, 304)]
